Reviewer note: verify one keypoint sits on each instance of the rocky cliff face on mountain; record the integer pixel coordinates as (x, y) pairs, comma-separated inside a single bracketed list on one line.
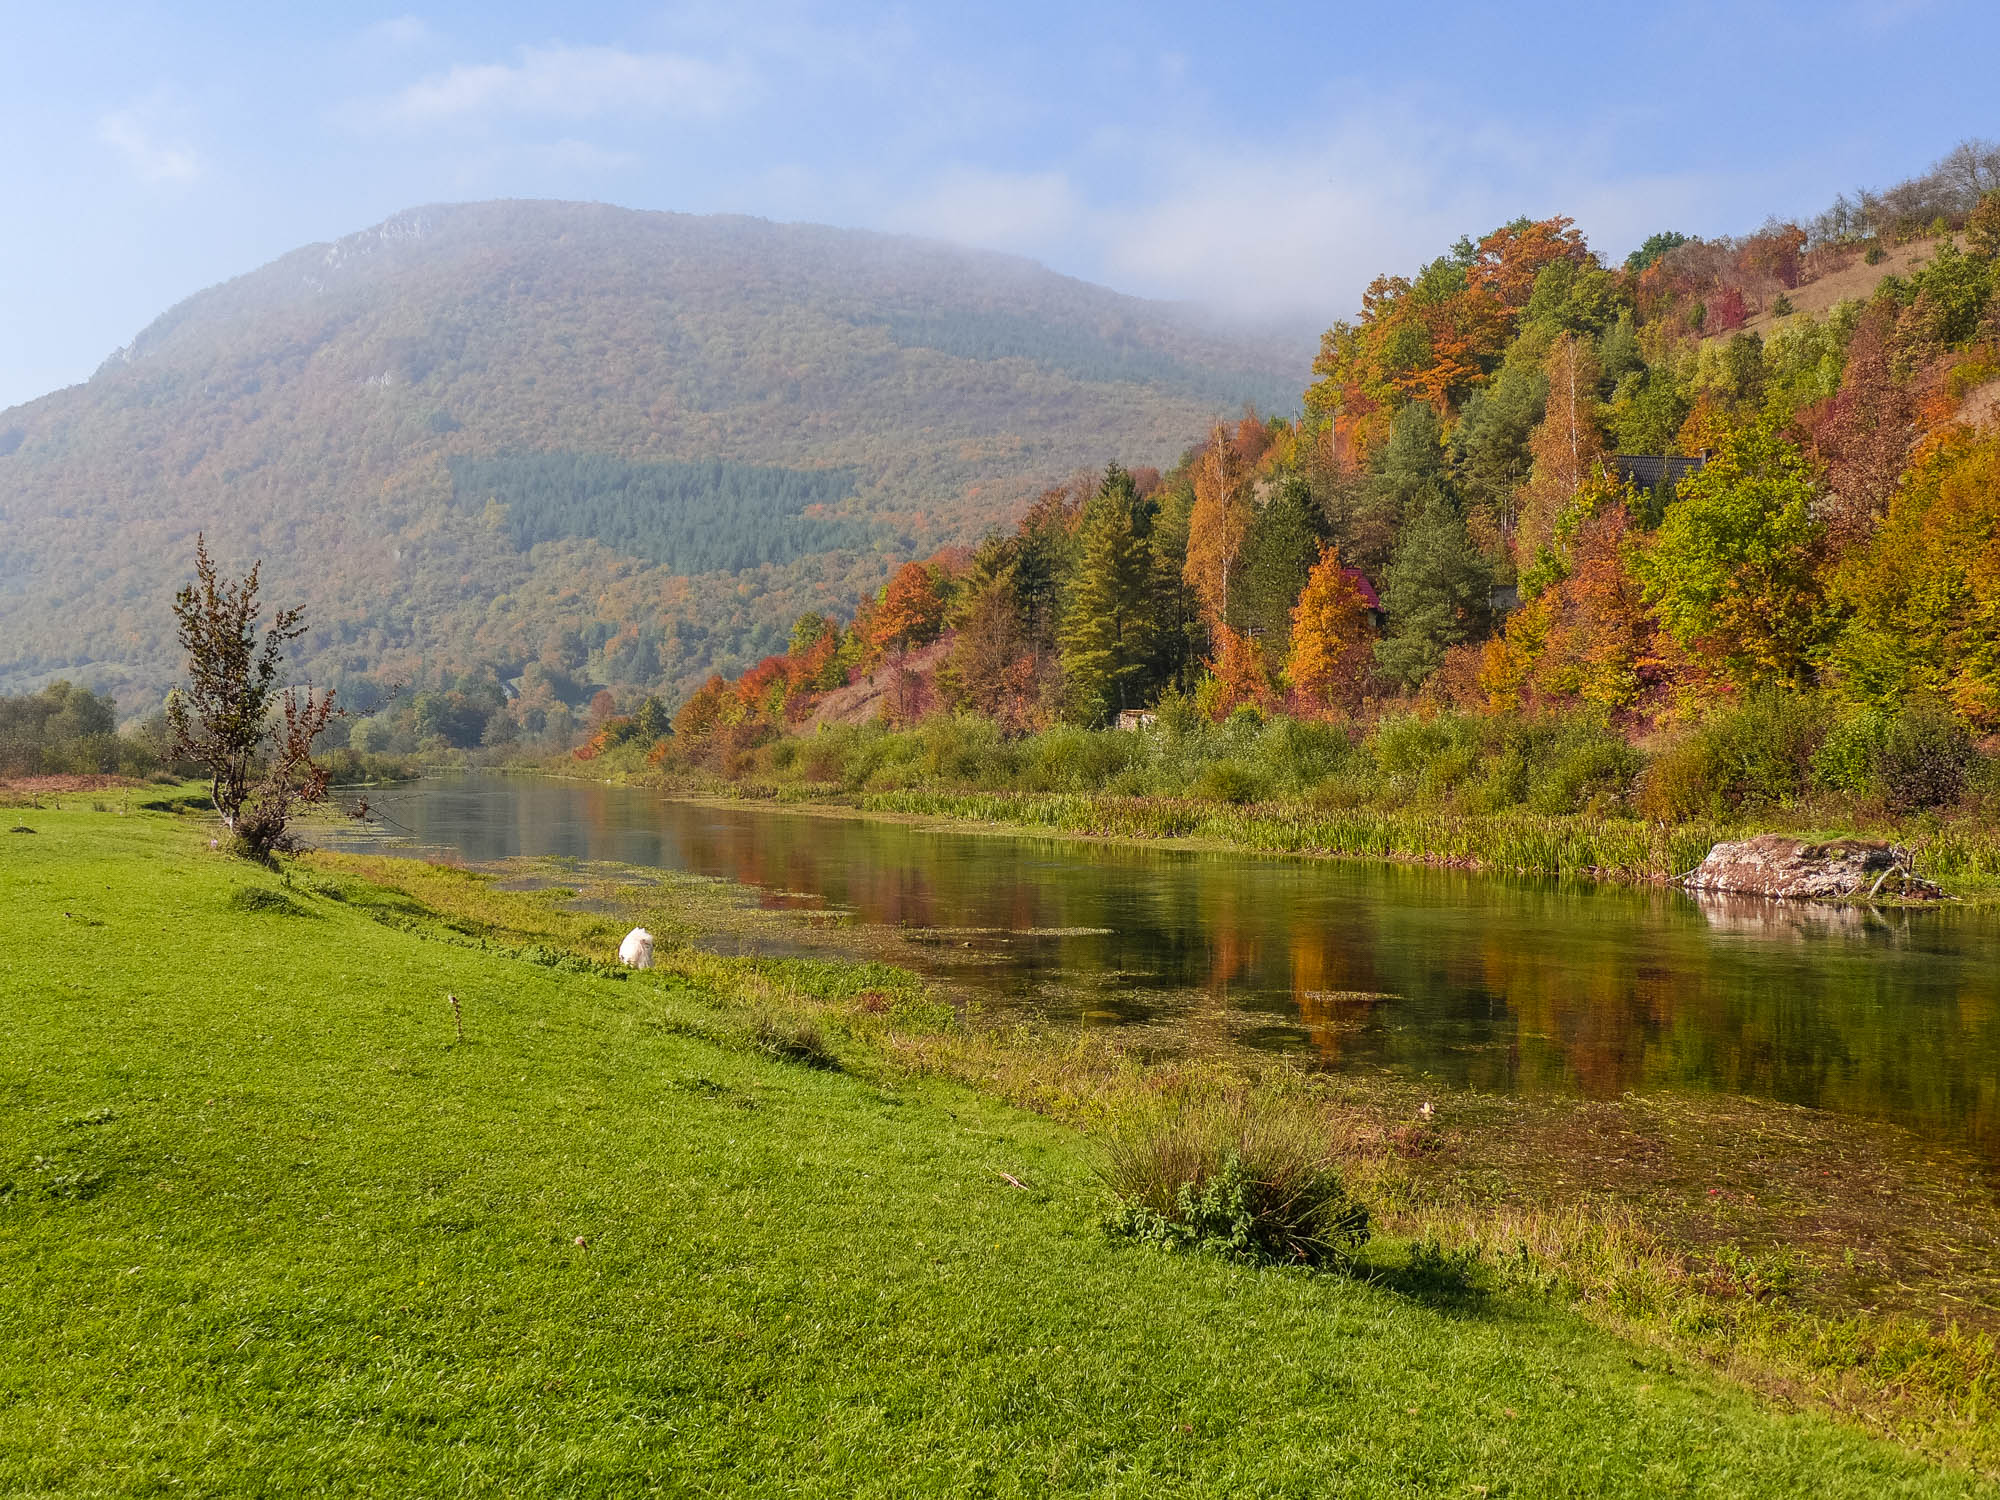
[(634, 445)]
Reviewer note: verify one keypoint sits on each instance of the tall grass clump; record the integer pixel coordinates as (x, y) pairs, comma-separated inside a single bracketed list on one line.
[(1256, 1186), (1300, 755), (1567, 765), (962, 748), (1069, 759), (792, 1038), (1779, 749), (1426, 757)]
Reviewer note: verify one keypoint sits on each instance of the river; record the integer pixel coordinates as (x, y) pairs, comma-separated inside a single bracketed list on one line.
[(1475, 982)]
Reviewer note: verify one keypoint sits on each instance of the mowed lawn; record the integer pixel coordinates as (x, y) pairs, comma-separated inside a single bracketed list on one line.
[(268, 1228)]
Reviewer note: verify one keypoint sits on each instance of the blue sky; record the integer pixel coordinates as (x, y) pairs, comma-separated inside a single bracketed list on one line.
[(1268, 163)]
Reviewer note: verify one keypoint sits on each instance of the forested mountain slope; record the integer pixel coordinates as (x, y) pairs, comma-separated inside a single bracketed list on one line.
[(630, 445)]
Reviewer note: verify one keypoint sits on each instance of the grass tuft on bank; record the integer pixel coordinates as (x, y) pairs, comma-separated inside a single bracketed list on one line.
[(1219, 1175)]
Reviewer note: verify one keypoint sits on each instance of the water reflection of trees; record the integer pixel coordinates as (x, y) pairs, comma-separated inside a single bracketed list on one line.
[(1487, 983)]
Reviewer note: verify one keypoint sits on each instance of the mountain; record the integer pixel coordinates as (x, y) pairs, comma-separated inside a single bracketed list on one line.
[(635, 444)]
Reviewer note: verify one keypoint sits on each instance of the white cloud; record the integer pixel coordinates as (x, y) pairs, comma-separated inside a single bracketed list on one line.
[(149, 147), (574, 83), (882, 48), (1273, 229), (998, 210)]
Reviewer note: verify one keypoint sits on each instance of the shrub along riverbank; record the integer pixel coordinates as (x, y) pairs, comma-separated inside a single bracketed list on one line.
[(1555, 794), (272, 1219)]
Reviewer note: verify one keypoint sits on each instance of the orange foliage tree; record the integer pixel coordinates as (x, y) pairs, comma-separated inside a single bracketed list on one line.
[(1510, 258), (1332, 642), (1218, 523), (911, 612), (708, 708), (1435, 338), (1590, 637), (1242, 675), (1568, 446)]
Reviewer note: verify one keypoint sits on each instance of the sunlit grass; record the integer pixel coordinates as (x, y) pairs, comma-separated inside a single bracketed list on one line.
[(270, 1224), (1755, 1313)]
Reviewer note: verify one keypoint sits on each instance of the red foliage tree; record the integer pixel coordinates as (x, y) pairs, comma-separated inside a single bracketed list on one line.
[(1252, 439), (1862, 435), (1773, 254), (1727, 311)]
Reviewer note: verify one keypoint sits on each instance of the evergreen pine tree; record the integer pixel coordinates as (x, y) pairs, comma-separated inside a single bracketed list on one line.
[(1106, 638), (1413, 472), (1180, 632), (1490, 452), (1436, 594), (1279, 551)]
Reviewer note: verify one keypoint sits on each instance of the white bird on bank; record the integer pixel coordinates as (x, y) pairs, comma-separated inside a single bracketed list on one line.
[(636, 952)]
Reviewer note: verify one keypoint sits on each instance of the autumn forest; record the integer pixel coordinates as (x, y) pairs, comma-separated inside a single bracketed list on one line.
[(1523, 481)]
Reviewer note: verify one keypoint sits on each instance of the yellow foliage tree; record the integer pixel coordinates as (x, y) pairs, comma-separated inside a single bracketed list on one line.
[(1925, 594), (1567, 447)]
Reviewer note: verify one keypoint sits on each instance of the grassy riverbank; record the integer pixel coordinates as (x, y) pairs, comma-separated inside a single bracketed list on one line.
[(1550, 794), (269, 1222), (1961, 855)]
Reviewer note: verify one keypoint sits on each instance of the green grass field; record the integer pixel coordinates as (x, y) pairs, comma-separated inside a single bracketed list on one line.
[(267, 1226)]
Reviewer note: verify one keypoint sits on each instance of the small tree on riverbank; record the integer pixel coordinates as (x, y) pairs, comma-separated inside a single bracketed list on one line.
[(223, 717)]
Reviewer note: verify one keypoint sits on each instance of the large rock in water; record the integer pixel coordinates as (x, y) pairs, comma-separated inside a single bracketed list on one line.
[(1791, 869)]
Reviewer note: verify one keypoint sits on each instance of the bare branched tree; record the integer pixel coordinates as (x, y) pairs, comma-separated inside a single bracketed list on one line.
[(224, 717)]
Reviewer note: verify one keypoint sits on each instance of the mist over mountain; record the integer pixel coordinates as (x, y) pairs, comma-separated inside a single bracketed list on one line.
[(636, 444)]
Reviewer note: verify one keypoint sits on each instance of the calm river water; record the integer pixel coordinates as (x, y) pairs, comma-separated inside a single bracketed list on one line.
[(1478, 982)]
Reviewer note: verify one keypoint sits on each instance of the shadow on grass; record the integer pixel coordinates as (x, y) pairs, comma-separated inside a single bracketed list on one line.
[(1426, 1272), (266, 902)]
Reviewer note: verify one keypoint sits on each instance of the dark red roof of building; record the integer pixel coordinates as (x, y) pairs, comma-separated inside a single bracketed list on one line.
[(1362, 586)]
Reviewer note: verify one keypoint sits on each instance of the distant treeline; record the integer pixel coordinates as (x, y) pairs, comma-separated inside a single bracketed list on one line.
[(65, 730), (702, 517), (1948, 194)]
